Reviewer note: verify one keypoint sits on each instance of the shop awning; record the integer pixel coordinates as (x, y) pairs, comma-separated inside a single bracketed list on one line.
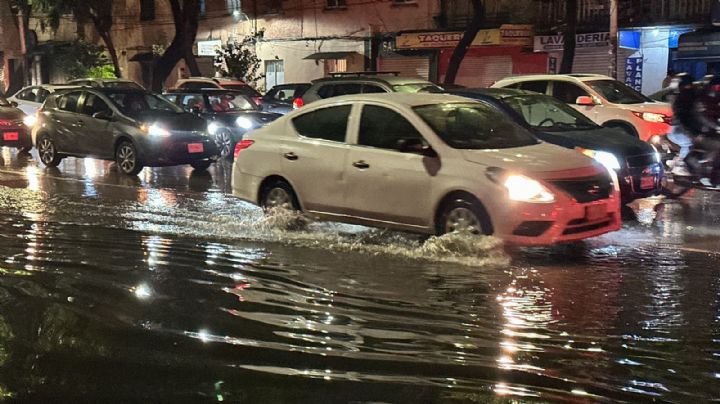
[(330, 55), (703, 44)]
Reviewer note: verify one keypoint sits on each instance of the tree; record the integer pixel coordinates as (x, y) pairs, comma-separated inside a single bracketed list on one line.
[(81, 59), (569, 33), (186, 14), (469, 35), (238, 60), (99, 12)]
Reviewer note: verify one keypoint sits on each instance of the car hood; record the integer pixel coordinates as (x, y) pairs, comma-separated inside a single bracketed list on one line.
[(174, 121), (536, 159), (656, 107), (11, 113), (601, 139)]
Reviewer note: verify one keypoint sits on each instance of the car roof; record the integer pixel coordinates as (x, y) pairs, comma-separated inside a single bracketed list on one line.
[(498, 93), (406, 99), (212, 90), (573, 77), (103, 80), (391, 80)]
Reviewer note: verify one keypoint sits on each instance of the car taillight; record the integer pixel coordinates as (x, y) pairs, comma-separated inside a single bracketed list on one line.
[(298, 102), (242, 145)]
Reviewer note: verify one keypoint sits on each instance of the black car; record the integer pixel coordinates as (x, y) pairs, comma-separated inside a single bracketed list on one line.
[(229, 114), (636, 162), (281, 97), (133, 127), (14, 131)]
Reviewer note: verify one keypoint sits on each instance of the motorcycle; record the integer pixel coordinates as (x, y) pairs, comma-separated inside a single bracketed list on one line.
[(705, 172)]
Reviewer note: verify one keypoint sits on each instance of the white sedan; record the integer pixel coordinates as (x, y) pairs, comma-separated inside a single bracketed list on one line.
[(428, 163)]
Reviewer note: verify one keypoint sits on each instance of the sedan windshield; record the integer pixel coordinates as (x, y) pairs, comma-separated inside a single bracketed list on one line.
[(230, 103), (474, 126), (617, 92), (546, 113), (417, 88), (136, 104)]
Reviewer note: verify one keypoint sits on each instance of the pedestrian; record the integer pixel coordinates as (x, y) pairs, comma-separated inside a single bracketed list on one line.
[(668, 79)]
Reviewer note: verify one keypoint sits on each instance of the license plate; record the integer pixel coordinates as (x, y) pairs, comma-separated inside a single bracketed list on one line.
[(647, 182), (10, 136), (595, 212), (195, 148)]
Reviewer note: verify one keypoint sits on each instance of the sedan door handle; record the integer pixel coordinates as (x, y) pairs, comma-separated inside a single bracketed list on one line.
[(291, 156), (361, 164)]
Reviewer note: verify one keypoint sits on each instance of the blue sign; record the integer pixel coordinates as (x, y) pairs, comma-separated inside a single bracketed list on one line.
[(633, 72), (629, 39)]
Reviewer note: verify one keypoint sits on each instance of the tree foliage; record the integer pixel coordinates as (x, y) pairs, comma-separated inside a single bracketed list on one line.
[(81, 59), (238, 59), (99, 12)]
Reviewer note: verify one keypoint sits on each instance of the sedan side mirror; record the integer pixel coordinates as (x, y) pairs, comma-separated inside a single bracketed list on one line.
[(585, 100), (14, 104), (415, 146), (104, 115)]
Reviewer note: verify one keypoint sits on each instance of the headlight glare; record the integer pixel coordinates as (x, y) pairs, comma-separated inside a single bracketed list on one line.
[(30, 120), (155, 130), (651, 116), (244, 123), (213, 127), (605, 158), (524, 189)]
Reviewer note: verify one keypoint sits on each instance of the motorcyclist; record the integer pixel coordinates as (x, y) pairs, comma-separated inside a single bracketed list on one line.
[(707, 111), (686, 122)]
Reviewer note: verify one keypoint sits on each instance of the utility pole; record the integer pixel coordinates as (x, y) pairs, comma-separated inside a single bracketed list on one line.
[(613, 38), (23, 46)]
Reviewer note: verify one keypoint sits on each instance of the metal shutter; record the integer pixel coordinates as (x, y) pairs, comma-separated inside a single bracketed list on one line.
[(623, 54), (483, 71), (593, 61), (407, 66)]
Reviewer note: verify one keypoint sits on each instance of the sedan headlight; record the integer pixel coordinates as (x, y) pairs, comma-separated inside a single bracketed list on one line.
[(651, 116), (524, 189), (605, 158), (244, 123), (30, 120), (155, 130)]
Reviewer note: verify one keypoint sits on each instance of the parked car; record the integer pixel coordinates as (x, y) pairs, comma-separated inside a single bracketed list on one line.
[(363, 83), (280, 98), (30, 99), (229, 114), (14, 126), (636, 163), (604, 100), (198, 83), (107, 83), (135, 128), (427, 163)]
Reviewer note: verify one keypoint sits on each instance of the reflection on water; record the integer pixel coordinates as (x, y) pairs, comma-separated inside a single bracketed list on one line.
[(163, 288)]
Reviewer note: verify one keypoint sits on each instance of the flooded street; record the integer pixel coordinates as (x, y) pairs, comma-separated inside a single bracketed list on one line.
[(165, 288)]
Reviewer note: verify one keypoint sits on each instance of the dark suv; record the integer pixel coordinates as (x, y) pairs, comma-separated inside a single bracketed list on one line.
[(133, 127), (362, 83)]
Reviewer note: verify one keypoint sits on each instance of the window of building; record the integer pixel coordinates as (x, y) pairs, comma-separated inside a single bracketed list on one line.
[(147, 10), (269, 7), (274, 73), (327, 123), (336, 4), (335, 65), (383, 128)]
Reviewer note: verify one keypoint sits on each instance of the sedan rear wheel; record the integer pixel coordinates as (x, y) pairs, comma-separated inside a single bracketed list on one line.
[(279, 195), (224, 143), (127, 158), (48, 152)]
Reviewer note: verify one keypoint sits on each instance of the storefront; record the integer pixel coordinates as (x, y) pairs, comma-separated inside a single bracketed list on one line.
[(698, 53), (493, 55)]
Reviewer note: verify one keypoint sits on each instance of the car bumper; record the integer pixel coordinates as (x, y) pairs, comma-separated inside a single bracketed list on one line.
[(640, 182), (166, 152), (245, 186), (646, 130), (15, 137), (564, 220)]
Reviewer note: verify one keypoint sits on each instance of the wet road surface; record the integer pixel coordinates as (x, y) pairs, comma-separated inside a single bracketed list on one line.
[(165, 288)]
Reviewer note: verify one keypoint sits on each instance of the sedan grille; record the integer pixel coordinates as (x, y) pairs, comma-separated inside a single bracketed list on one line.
[(586, 189), (642, 160)]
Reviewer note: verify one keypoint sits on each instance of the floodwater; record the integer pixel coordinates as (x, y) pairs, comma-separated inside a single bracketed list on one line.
[(164, 288)]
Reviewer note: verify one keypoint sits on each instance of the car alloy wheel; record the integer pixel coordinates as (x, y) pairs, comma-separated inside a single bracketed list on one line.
[(224, 143), (48, 152), (126, 157), (462, 220), (278, 198)]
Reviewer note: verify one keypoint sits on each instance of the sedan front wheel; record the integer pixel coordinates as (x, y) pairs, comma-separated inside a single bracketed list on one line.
[(224, 142), (48, 152), (462, 216), (127, 158)]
